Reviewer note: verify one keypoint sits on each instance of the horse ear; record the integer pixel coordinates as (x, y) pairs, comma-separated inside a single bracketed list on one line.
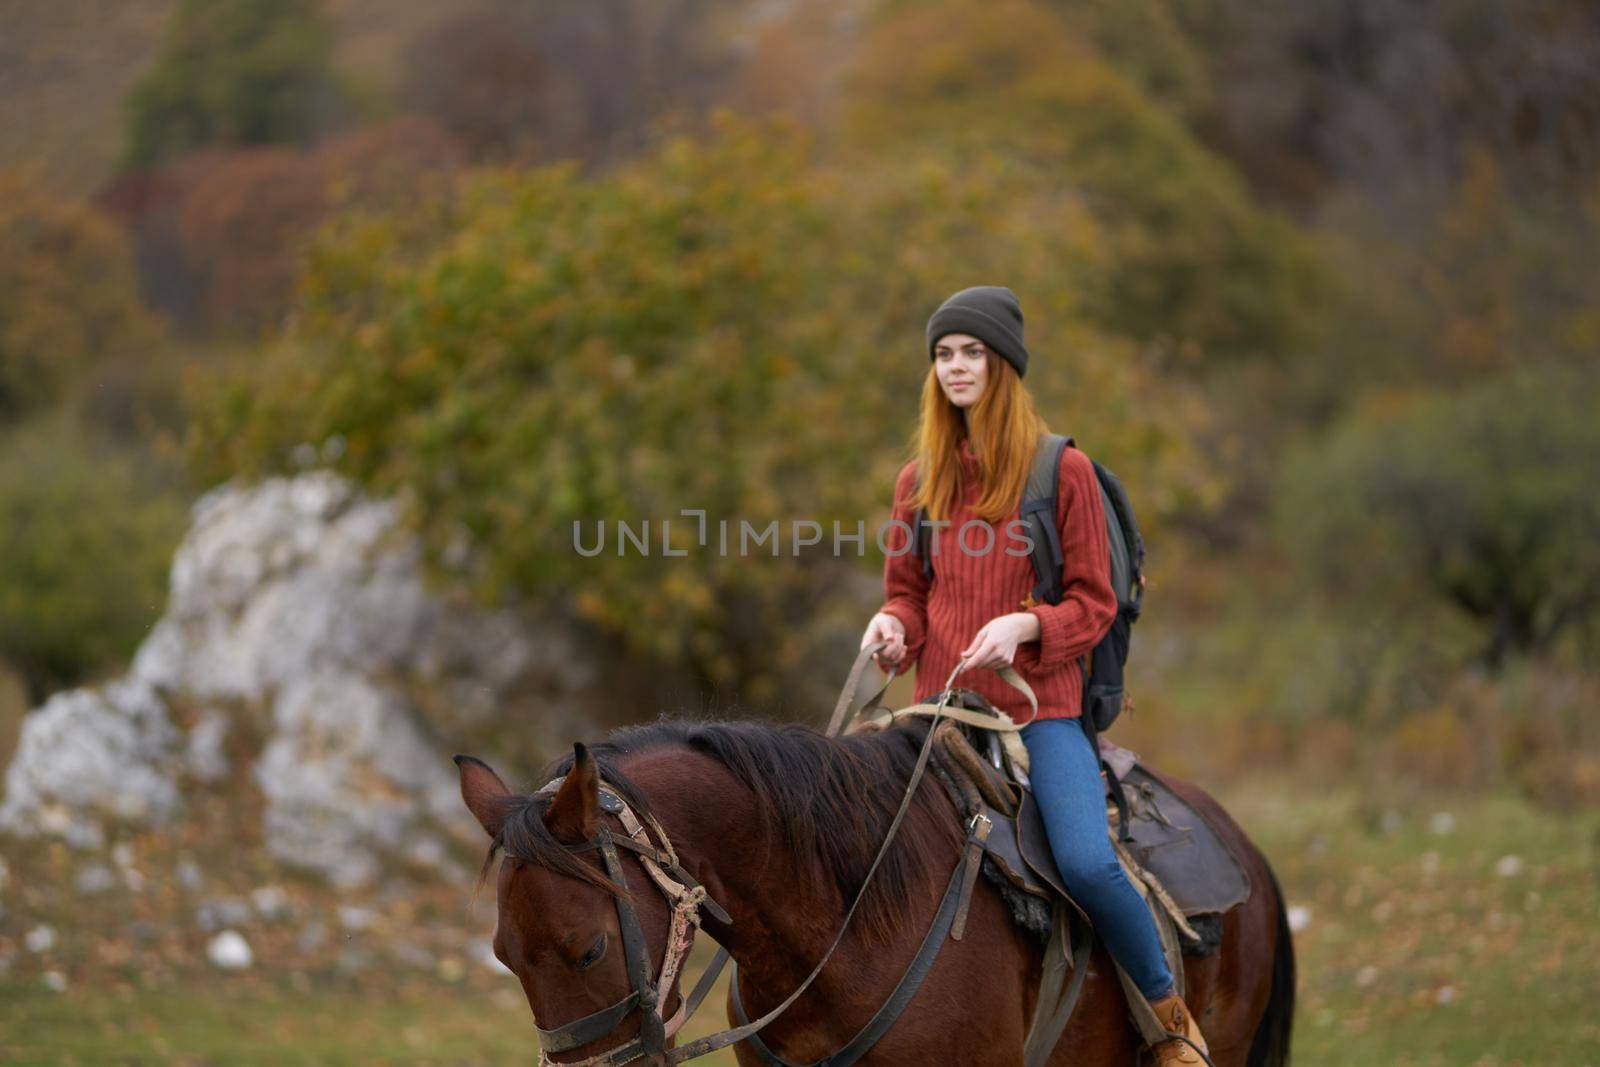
[(574, 815), (487, 797)]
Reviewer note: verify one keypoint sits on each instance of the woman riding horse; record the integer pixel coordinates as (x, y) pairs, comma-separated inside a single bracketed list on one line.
[(974, 448)]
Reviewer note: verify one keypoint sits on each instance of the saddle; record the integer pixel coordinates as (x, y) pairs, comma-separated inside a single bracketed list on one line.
[(1173, 849), (1168, 839)]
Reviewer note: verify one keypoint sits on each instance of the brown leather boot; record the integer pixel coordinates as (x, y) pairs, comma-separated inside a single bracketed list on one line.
[(1176, 1017)]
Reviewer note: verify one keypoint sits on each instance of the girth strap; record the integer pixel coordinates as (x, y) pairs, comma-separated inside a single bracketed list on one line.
[(971, 860), (1054, 1007)]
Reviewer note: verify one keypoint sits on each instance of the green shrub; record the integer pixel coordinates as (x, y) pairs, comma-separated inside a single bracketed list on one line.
[(68, 296), (84, 552), (234, 72), (1481, 502)]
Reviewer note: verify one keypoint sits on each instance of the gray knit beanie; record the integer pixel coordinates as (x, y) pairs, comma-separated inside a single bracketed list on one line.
[(991, 313)]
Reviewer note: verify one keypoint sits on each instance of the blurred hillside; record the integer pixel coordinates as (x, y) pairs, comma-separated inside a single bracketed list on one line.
[(66, 70), (525, 271)]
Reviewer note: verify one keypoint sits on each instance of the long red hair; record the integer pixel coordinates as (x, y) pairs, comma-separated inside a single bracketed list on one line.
[(1005, 427)]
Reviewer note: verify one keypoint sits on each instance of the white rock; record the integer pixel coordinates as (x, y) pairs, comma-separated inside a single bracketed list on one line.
[(204, 756), (355, 918), (1508, 866), (86, 835), (220, 912), (54, 981), (89, 754), (1442, 823), (428, 852), (270, 901), (311, 937), (189, 874), (1299, 918), (230, 951), (299, 604), (41, 938), (336, 735), (95, 878), (122, 856)]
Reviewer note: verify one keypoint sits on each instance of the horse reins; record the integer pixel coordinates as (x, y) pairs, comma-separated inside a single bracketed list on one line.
[(688, 898)]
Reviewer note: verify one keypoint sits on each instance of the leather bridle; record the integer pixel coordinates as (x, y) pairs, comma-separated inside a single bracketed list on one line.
[(687, 897)]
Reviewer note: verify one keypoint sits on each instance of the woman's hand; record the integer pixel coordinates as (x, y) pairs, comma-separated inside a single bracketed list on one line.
[(886, 627), (995, 645)]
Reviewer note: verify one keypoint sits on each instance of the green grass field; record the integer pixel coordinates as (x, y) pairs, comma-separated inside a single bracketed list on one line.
[(233, 1020), (1458, 931)]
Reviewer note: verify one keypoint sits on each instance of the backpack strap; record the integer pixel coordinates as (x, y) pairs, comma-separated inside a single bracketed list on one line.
[(922, 542), (1038, 510), (1124, 541), (1086, 720)]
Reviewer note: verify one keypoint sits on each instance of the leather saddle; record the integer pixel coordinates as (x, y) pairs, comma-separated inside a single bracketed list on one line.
[(1168, 837)]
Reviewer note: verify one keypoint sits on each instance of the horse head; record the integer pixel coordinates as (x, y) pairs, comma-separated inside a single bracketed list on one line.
[(577, 919)]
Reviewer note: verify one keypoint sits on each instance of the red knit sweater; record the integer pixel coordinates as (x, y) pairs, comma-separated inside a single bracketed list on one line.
[(968, 589)]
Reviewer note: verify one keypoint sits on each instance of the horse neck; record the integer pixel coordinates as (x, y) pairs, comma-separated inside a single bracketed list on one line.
[(729, 844)]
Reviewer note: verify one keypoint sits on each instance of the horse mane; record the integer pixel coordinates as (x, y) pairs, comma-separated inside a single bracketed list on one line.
[(830, 798)]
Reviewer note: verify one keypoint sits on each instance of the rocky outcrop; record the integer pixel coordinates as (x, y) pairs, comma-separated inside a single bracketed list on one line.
[(298, 612), (91, 754)]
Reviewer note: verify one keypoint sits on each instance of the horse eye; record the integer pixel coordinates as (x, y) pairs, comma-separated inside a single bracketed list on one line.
[(594, 955)]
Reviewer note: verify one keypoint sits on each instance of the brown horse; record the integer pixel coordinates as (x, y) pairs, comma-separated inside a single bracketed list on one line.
[(780, 824)]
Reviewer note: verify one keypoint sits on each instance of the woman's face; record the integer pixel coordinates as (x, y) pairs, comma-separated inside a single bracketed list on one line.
[(961, 363)]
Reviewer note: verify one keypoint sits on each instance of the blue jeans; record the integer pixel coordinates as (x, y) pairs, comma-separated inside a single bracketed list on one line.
[(1071, 796)]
